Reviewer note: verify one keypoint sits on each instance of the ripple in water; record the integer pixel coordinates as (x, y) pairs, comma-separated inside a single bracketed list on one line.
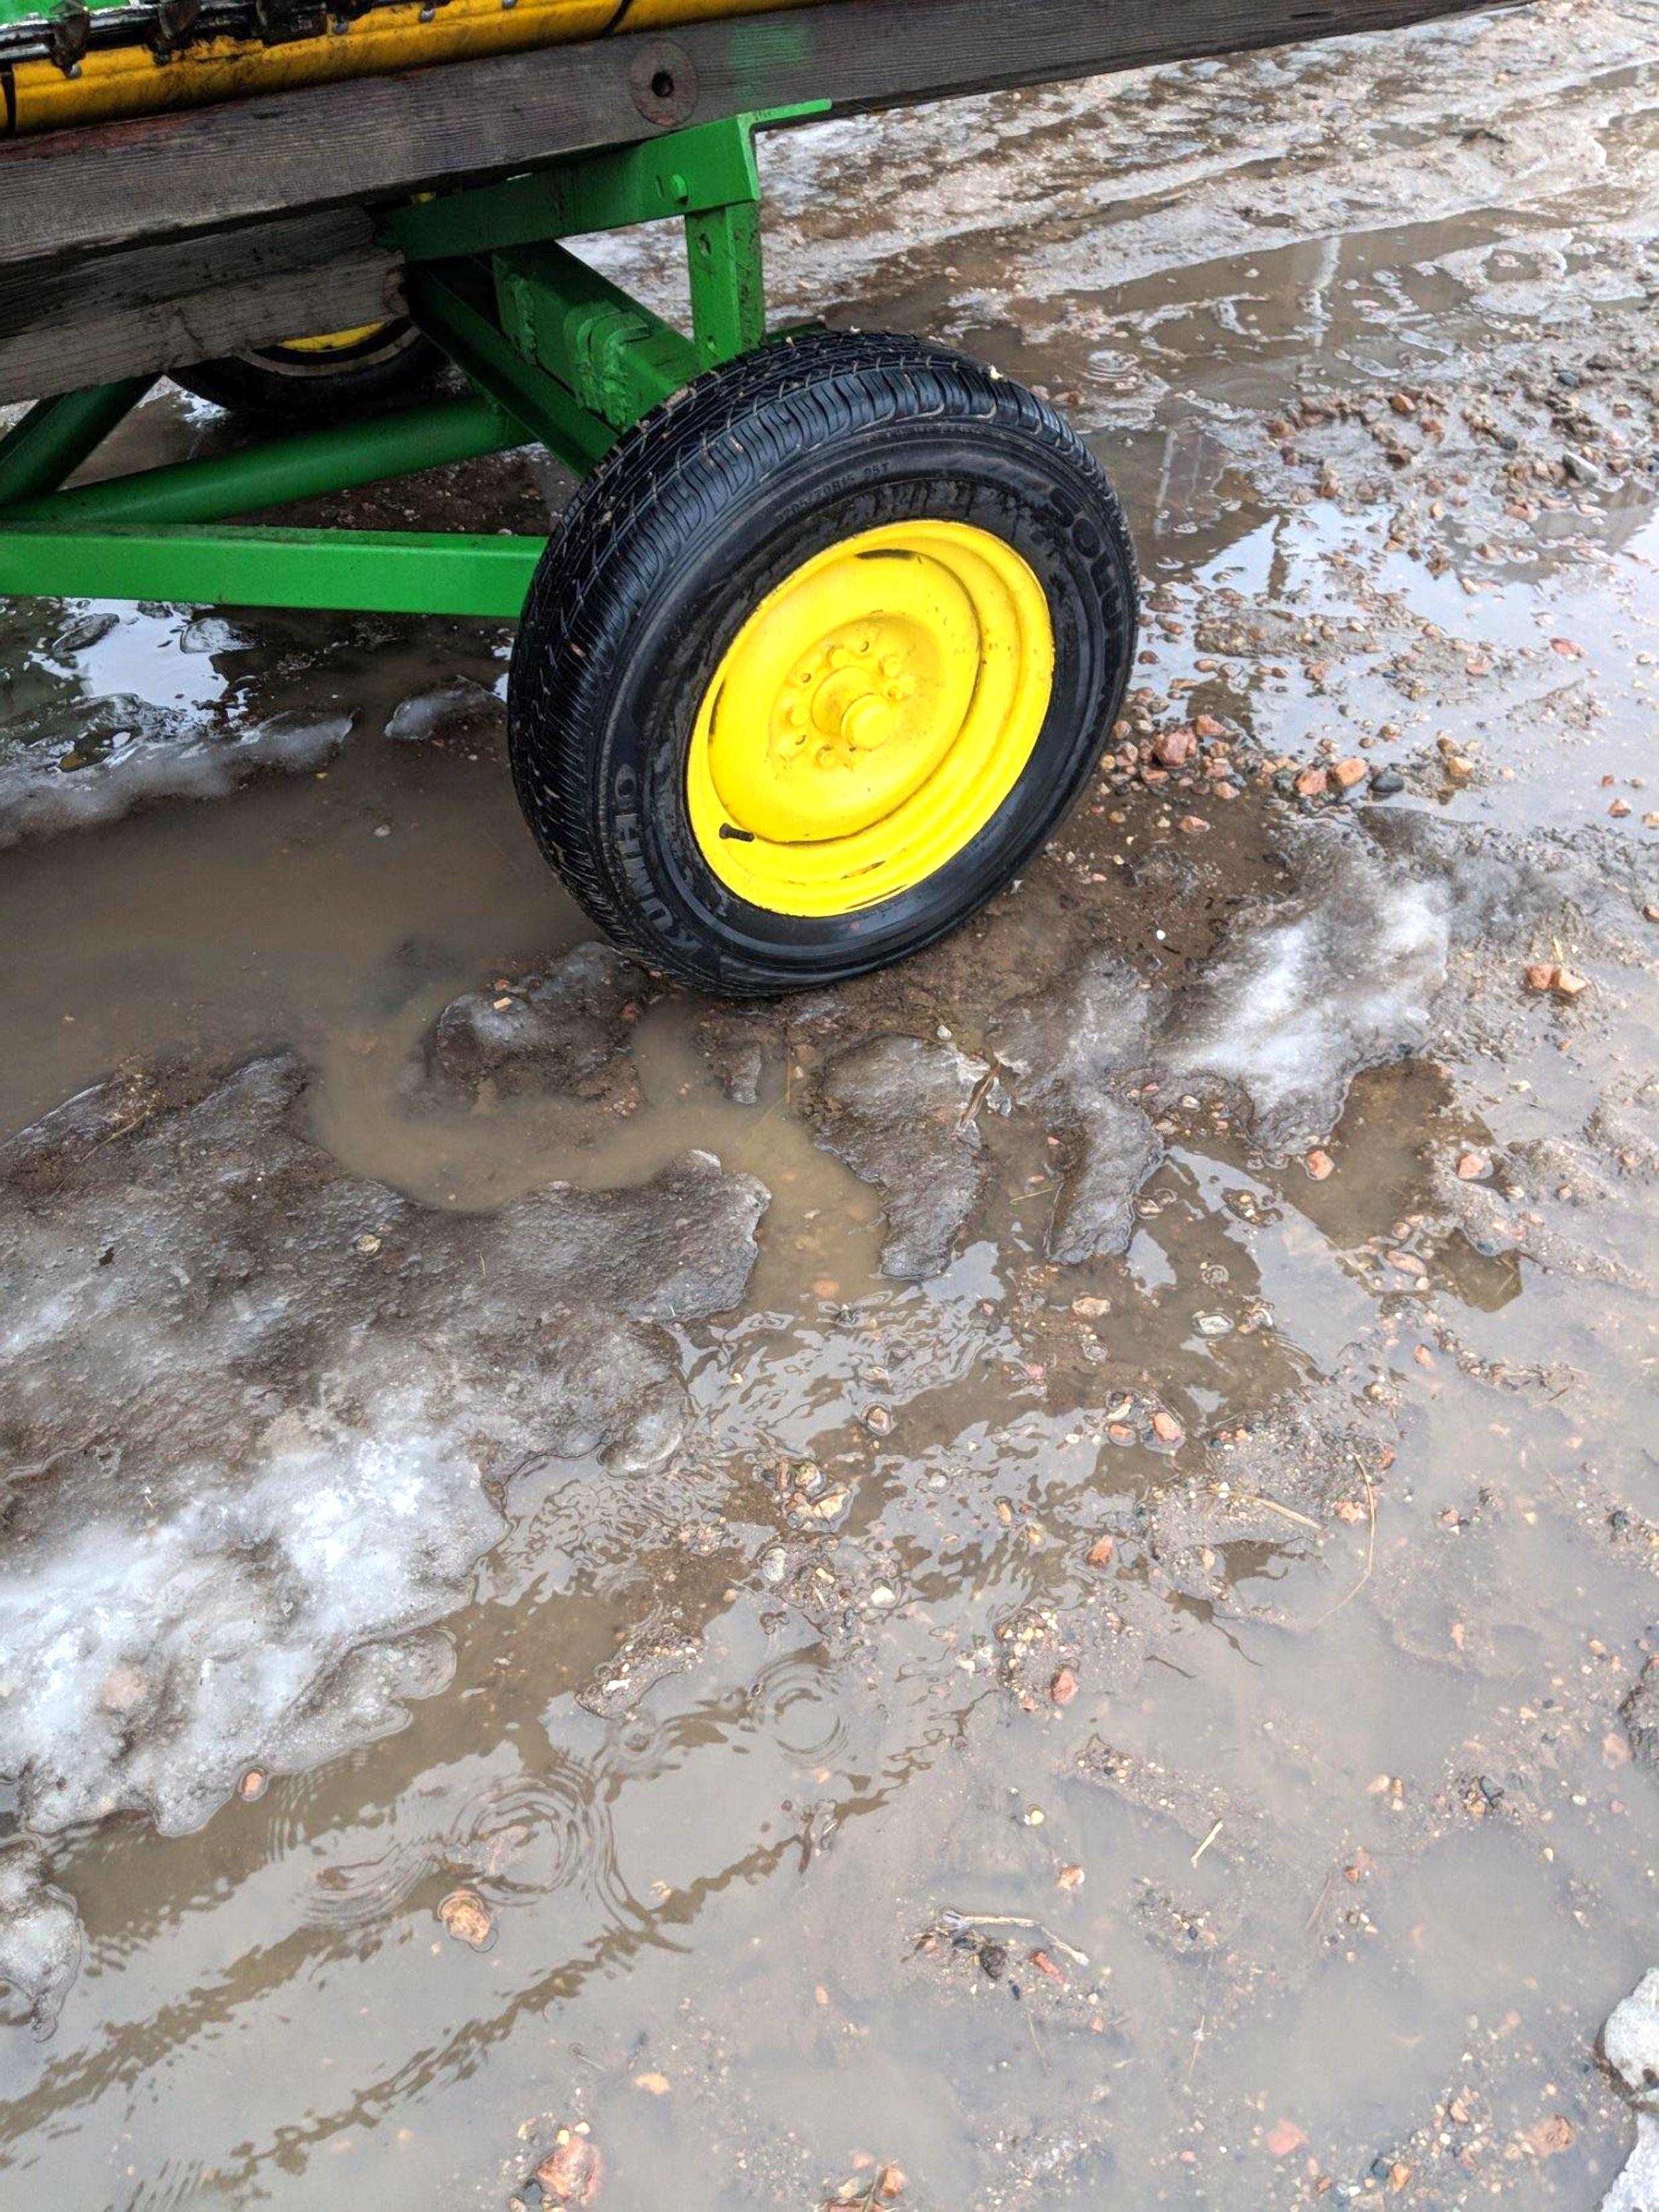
[(639, 1747), (793, 1700), (188, 2188), (514, 1840)]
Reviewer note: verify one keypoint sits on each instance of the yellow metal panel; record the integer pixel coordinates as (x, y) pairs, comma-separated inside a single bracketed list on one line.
[(120, 82)]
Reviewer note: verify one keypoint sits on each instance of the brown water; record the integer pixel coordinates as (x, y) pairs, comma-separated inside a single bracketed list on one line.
[(752, 1724)]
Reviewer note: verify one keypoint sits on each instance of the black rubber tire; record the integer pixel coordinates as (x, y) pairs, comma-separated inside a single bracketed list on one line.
[(281, 384), (698, 512)]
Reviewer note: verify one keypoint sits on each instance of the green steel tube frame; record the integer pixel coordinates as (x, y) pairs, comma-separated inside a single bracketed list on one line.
[(555, 356)]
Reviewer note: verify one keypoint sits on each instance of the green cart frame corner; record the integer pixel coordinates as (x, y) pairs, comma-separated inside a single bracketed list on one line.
[(555, 355)]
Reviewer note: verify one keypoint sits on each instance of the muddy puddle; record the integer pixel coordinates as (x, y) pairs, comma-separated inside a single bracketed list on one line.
[(1024, 1584)]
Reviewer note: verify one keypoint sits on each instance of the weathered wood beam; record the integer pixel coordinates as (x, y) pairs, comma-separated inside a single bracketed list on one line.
[(168, 176), (155, 307)]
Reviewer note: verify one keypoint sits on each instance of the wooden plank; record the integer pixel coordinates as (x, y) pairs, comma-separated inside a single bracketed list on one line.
[(69, 192), (155, 307), (336, 145)]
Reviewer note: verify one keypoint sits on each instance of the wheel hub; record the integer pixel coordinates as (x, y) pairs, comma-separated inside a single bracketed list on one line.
[(846, 736), (870, 716)]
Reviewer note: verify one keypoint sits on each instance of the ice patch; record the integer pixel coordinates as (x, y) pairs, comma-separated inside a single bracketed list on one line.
[(40, 1939), (1301, 998), (1307, 990), (1065, 1053), (148, 756), (565, 1030), (460, 707), (1589, 883), (255, 1412), (900, 1110), (1629, 2044)]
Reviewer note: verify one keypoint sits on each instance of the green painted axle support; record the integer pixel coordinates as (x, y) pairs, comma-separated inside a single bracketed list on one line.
[(555, 356)]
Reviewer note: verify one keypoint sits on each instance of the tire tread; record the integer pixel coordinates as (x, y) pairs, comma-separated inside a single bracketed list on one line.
[(663, 486)]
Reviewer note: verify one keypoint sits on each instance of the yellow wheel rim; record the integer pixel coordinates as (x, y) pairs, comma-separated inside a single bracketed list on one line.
[(332, 341), (870, 718)]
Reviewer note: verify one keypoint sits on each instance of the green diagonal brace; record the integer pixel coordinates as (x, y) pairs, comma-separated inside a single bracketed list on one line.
[(447, 309), (304, 466), (55, 437)]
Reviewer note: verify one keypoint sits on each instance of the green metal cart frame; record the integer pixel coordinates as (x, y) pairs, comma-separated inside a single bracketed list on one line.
[(555, 354), (837, 628)]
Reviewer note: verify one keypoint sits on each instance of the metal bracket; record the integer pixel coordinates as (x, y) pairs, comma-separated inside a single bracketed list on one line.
[(612, 356)]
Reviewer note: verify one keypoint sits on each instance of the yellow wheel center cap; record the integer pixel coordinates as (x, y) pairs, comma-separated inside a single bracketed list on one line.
[(870, 716), (857, 714)]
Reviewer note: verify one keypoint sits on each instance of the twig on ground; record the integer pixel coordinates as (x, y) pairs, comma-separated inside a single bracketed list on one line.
[(980, 1091), (1318, 1903), (953, 1920), (1289, 1511)]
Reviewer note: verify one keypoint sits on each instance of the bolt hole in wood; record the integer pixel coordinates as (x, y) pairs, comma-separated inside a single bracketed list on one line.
[(663, 80)]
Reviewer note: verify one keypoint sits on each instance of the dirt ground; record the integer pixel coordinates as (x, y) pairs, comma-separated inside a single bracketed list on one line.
[(1024, 1584)]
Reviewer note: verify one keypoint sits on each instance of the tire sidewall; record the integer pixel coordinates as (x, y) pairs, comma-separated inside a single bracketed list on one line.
[(385, 351), (280, 387)]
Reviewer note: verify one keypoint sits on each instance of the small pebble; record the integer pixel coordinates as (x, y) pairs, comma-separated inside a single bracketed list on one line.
[(467, 1918)]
